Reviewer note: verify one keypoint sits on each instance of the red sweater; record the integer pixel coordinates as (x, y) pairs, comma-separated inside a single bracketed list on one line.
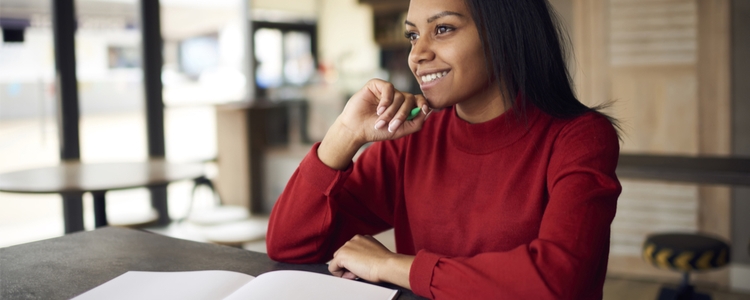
[(506, 209)]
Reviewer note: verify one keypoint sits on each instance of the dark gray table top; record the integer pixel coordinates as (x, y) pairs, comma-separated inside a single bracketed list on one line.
[(64, 267)]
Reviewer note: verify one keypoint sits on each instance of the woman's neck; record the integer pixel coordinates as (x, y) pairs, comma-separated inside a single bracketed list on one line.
[(481, 108)]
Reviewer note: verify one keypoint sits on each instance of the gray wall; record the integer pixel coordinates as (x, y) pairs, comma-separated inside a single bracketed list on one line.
[(741, 125), (24, 100), (29, 99)]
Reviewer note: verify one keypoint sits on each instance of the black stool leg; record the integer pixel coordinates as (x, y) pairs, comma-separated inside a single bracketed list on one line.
[(685, 291), (159, 202), (100, 211), (72, 211)]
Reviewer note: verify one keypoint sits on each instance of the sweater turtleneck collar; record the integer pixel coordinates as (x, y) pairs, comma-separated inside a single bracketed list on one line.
[(486, 137)]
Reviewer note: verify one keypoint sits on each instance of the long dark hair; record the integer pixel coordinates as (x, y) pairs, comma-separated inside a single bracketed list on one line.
[(525, 45)]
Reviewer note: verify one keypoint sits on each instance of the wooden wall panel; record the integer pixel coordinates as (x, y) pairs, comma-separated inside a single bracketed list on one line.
[(714, 76), (648, 206), (715, 109), (665, 63), (590, 44), (233, 145), (659, 108)]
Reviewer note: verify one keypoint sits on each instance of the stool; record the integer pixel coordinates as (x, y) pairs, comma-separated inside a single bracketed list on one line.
[(684, 253), (225, 224), (218, 213), (203, 181), (133, 219), (237, 233)]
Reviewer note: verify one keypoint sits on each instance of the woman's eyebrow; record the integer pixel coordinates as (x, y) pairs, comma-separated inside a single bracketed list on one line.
[(443, 14), (436, 16)]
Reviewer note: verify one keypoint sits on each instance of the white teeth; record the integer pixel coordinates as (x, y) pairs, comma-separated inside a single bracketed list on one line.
[(431, 77)]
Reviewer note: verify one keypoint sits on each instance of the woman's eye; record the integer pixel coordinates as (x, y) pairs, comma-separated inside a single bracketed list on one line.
[(411, 36), (442, 29)]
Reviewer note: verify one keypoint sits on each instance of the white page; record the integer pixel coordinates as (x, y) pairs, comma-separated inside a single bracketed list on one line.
[(291, 285), (198, 285)]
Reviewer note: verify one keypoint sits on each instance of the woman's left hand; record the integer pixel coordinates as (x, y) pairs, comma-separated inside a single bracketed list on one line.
[(366, 258)]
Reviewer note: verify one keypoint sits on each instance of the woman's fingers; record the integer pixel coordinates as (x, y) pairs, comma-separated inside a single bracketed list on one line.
[(402, 114), (386, 92), (360, 257), (349, 275), (395, 115), (386, 116), (392, 109), (335, 266), (422, 103)]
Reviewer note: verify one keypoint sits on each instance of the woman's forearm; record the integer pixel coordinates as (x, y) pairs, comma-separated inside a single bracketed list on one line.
[(338, 147), (396, 270)]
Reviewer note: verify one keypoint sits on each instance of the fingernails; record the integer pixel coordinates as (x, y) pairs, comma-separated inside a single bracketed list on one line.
[(426, 109), (381, 110), (380, 124), (394, 125)]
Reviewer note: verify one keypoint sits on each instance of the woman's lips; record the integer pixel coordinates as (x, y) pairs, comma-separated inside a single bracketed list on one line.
[(429, 80)]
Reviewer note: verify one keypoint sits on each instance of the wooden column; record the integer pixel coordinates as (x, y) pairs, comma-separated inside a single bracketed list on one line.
[(714, 101), (591, 41), (740, 269), (714, 117)]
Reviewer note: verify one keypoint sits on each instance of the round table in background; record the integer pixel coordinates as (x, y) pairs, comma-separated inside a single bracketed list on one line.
[(72, 179)]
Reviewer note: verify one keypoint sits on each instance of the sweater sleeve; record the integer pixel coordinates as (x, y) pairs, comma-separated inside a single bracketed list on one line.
[(568, 260), (321, 208)]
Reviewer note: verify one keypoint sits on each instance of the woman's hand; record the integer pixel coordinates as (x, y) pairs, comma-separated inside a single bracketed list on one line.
[(366, 258), (377, 112)]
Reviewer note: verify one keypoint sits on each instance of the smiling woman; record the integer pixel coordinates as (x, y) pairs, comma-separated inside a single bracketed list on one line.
[(508, 191), (449, 62)]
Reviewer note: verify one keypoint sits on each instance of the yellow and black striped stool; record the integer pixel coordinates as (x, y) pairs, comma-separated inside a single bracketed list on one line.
[(685, 253)]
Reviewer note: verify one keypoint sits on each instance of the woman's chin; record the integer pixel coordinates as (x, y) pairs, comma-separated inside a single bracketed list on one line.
[(437, 104)]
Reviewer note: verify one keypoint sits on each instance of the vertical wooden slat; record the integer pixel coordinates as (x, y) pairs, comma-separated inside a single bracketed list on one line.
[(715, 122), (740, 42), (590, 40), (714, 76), (233, 145)]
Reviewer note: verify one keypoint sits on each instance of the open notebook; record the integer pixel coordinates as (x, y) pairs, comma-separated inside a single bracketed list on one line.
[(233, 286)]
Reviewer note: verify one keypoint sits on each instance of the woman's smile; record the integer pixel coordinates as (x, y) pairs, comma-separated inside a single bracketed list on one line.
[(431, 78)]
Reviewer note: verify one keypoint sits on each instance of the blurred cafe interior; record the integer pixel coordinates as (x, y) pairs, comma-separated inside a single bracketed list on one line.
[(243, 88)]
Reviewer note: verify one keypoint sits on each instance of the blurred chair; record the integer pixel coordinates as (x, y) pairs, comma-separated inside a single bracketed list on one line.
[(683, 252), (133, 219), (216, 213), (224, 224)]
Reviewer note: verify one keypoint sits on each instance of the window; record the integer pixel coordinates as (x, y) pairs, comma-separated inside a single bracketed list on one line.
[(285, 55)]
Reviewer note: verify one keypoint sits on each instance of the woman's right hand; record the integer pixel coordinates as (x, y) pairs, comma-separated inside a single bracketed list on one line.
[(377, 112)]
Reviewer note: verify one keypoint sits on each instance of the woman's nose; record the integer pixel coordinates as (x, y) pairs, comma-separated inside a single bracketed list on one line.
[(421, 51)]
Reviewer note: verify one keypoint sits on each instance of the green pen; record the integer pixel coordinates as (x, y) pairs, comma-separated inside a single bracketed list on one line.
[(413, 114)]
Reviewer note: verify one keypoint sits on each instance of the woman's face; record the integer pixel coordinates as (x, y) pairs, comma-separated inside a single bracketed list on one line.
[(446, 55)]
